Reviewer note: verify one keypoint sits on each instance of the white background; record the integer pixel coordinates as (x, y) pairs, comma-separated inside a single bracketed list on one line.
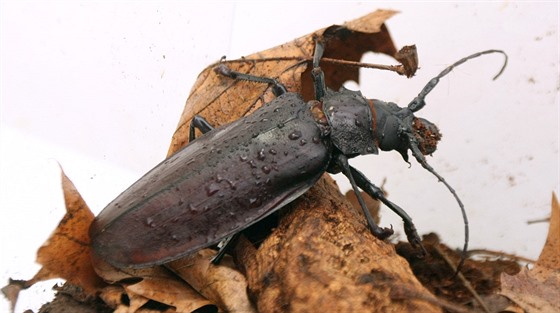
[(99, 86)]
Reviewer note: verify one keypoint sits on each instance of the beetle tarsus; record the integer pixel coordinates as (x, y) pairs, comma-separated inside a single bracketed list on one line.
[(200, 123), (226, 245)]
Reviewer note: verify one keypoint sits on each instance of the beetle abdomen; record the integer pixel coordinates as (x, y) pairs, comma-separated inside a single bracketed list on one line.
[(216, 186)]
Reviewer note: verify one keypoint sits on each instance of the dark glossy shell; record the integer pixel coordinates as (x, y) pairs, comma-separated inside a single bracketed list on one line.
[(219, 184)]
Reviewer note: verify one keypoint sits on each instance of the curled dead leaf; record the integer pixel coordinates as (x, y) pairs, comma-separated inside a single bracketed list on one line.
[(66, 252), (538, 289), (222, 284)]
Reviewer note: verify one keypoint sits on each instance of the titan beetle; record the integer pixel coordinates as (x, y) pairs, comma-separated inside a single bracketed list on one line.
[(234, 176)]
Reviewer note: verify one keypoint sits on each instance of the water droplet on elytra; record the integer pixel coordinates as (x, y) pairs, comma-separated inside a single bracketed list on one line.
[(212, 188), (266, 169), (261, 156), (254, 202), (150, 222), (272, 151), (243, 158), (302, 142), (295, 135)]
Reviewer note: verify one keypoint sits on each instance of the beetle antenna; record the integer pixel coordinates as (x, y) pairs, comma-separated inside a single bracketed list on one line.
[(427, 166), (418, 102), (422, 160)]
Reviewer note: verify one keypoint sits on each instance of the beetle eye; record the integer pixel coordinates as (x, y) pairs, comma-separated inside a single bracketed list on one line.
[(427, 135)]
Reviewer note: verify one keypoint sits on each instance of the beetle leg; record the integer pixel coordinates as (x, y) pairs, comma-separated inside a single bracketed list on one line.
[(278, 88), (226, 245), (200, 123), (379, 232), (376, 193), (317, 73)]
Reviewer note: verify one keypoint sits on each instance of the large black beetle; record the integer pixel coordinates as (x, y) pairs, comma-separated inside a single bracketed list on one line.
[(235, 175)]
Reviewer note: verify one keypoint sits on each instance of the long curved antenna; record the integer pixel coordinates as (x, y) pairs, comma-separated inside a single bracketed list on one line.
[(422, 160), (418, 102)]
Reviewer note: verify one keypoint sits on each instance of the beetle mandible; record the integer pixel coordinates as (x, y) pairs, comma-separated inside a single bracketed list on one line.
[(234, 176)]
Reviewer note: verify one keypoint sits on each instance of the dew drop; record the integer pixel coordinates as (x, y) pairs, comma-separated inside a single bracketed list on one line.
[(261, 155), (266, 169), (212, 188), (272, 151), (280, 125), (231, 184), (253, 164), (150, 222), (302, 142), (193, 209), (295, 135), (316, 139), (219, 178), (243, 158), (357, 122), (255, 202)]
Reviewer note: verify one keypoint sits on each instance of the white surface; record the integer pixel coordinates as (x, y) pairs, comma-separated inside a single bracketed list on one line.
[(99, 87)]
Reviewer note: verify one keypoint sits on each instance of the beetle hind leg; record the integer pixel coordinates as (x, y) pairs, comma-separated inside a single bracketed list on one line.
[(277, 87)]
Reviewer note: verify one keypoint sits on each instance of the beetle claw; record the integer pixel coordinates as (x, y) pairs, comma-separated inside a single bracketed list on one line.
[(414, 239), (383, 232)]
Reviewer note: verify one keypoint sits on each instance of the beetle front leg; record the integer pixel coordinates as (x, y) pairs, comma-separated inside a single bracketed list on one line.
[(376, 193), (198, 122), (379, 232)]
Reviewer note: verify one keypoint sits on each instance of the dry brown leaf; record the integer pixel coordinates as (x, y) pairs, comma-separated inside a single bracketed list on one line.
[(222, 284), (154, 283), (538, 289), (222, 100), (169, 290), (66, 252)]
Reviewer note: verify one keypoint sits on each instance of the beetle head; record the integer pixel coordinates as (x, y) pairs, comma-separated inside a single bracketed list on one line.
[(398, 129)]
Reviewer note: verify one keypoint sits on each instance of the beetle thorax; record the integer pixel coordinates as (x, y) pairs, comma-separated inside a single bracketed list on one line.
[(350, 119)]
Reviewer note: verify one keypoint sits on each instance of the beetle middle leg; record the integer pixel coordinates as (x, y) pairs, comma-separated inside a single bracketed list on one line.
[(376, 193), (380, 232)]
